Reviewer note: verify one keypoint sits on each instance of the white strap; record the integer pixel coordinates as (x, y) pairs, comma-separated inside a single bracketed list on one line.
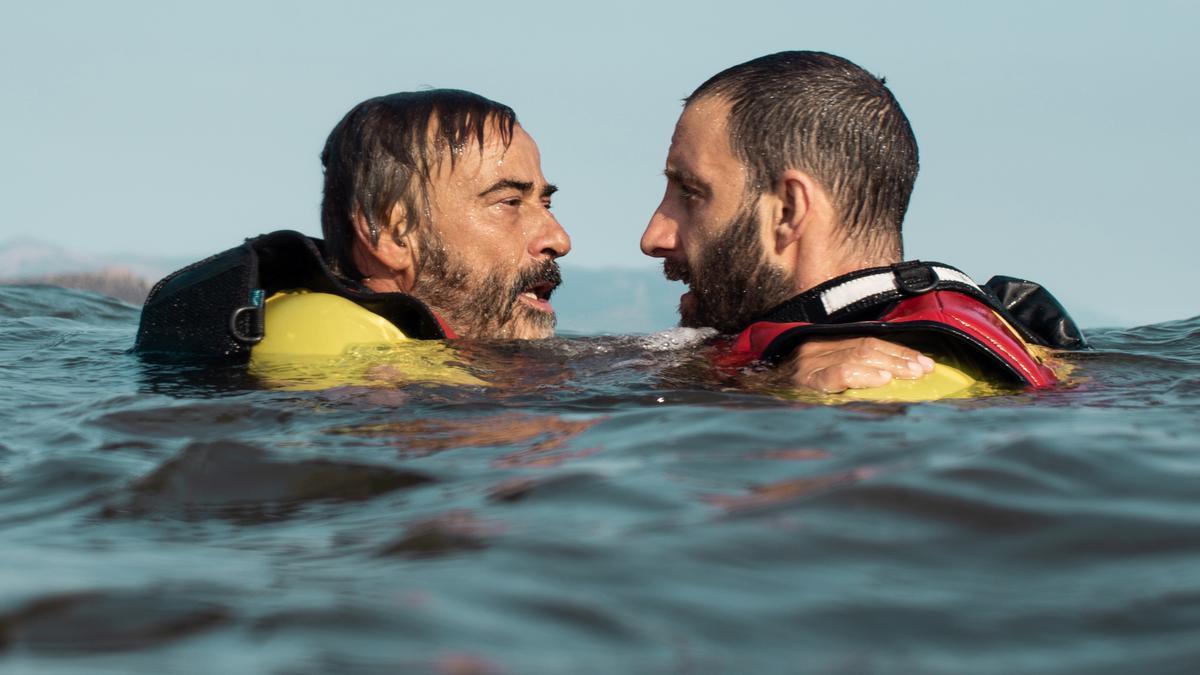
[(843, 295)]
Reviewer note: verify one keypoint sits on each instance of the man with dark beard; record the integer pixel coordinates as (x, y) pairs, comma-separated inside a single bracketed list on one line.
[(436, 219), (787, 181)]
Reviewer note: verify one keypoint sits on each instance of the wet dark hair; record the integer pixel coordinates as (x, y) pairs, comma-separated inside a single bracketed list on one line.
[(384, 152), (829, 118)]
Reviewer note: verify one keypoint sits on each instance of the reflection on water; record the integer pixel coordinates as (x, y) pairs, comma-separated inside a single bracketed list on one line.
[(538, 436), (596, 505)]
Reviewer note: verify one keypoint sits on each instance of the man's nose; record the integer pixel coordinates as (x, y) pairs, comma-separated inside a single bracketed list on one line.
[(553, 240), (660, 238)]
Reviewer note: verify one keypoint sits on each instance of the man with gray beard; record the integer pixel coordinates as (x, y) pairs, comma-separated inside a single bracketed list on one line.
[(436, 221)]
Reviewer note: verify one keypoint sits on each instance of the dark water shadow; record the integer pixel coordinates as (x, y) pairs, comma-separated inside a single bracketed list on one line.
[(245, 484), (109, 620)]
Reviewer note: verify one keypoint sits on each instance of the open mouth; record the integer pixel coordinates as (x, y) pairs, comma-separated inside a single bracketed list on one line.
[(538, 295)]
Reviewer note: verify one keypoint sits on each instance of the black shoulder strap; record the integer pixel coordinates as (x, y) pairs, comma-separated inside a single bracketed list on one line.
[(190, 310), (214, 308)]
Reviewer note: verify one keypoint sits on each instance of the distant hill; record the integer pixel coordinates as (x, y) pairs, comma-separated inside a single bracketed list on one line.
[(28, 258), (115, 281), (616, 300), (128, 278)]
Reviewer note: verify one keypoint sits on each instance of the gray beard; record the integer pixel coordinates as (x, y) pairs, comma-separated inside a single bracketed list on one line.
[(482, 308)]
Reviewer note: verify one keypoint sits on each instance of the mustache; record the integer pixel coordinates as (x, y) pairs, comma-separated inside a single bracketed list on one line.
[(677, 270), (546, 272)]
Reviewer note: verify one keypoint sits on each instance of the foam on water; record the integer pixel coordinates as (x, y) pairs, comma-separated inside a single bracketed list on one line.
[(608, 504), (675, 338)]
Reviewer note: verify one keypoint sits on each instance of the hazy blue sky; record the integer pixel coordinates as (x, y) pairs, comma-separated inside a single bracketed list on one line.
[(1058, 139)]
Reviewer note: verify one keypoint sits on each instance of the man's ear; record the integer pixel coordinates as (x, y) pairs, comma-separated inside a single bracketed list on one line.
[(796, 192), (390, 260)]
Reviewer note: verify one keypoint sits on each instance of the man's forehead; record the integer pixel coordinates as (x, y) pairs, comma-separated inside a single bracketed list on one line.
[(707, 114), (516, 152), (471, 137), (701, 138)]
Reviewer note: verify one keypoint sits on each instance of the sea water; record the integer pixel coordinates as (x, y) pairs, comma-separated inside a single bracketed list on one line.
[(605, 505)]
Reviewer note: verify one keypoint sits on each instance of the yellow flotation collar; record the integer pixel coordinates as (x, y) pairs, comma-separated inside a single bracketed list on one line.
[(320, 340), (302, 323), (942, 382), (946, 381)]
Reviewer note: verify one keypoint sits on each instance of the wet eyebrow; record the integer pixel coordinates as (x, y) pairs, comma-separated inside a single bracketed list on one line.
[(521, 186), (685, 177), (550, 189)]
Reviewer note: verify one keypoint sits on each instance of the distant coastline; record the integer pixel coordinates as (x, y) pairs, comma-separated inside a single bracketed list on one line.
[(117, 282)]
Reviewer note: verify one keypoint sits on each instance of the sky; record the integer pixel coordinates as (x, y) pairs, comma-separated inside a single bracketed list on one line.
[(1058, 139)]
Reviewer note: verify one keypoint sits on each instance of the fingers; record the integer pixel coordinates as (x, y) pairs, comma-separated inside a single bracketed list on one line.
[(842, 376), (833, 365), (870, 346), (900, 361)]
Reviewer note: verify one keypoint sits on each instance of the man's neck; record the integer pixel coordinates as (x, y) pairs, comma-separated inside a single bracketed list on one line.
[(816, 265)]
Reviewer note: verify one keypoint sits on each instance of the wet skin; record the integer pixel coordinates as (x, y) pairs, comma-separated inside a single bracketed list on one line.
[(483, 263), (706, 195), (705, 192)]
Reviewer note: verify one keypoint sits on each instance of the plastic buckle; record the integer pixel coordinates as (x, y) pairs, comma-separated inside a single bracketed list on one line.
[(914, 277)]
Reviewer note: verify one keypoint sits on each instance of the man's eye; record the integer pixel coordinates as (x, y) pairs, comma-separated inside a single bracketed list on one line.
[(685, 194), (514, 202), (547, 205)]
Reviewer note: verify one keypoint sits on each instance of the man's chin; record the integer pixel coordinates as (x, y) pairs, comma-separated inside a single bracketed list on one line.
[(529, 331), (523, 323), (533, 333), (531, 324), (691, 316), (687, 310)]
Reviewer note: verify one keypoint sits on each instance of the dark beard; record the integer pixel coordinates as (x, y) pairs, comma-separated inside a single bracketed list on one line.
[(732, 284), (484, 308)]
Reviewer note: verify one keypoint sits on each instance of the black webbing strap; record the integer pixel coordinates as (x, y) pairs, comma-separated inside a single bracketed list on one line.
[(866, 293)]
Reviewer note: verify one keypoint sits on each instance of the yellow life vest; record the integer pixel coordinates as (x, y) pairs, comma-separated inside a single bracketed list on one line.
[(946, 381), (320, 340), (942, 382)]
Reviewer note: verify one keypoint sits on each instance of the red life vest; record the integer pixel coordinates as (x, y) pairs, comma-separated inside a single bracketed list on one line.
[(928, 306)]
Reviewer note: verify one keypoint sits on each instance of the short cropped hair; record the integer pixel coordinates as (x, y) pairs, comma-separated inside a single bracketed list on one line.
[(825, 116), (384, 151)]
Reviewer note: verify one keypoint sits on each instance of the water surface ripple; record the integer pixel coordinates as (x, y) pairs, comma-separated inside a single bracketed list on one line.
[(609, 505)]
